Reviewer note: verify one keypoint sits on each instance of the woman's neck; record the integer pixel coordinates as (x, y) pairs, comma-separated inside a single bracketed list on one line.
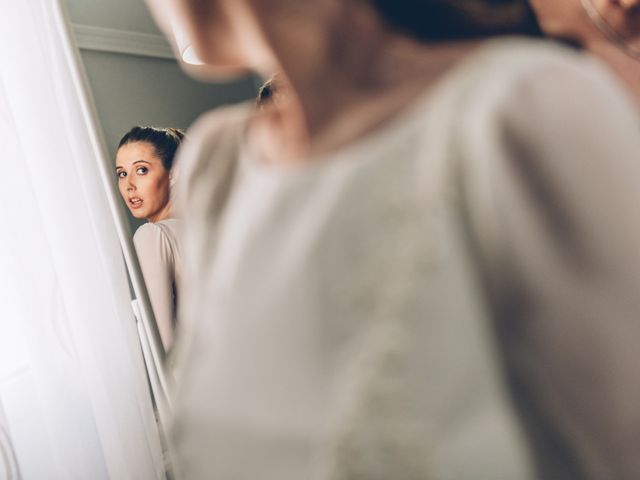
[(330, 104)]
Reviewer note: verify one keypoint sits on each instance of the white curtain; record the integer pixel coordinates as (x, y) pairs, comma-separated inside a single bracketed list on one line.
[(74, 397)]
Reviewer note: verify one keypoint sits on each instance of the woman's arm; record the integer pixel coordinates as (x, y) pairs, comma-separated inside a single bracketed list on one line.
[(157, 263)]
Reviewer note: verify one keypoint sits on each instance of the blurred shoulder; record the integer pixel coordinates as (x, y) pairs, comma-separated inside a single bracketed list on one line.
[(547, 75), (528, 93), (213, 134), (209, 153), (513, 56), (171, 226), (544, 142)]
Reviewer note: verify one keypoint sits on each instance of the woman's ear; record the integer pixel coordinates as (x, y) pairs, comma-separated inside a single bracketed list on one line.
[(629, 4)]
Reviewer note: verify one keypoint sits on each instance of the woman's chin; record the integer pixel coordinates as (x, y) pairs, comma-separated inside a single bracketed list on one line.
[(138, 214)]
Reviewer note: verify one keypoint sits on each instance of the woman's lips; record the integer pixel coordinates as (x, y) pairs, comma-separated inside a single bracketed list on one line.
[(135, 203)]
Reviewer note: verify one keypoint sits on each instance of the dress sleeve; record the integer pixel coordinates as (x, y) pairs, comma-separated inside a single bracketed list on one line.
[(554, 209), (158, 269)]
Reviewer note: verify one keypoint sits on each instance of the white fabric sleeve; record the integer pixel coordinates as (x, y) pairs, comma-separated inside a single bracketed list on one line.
[(210, 156), (554, 208), (158, 269)]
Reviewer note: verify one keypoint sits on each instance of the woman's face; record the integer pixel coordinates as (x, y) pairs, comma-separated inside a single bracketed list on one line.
[(143, 181)]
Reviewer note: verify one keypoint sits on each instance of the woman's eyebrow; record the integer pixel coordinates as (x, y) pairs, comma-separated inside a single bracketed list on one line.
[(141, 161)]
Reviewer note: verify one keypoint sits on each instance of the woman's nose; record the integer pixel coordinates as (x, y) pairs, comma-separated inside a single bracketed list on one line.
[(130, 185)]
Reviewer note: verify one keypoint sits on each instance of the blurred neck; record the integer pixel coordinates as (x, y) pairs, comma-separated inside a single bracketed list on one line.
[(334, 98)]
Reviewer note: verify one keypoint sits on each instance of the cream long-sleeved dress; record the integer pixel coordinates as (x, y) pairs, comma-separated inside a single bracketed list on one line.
[(158, 246), (454, 297)]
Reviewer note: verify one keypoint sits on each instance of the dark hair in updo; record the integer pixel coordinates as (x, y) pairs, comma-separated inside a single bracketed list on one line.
[(438, 20), (165, 141)]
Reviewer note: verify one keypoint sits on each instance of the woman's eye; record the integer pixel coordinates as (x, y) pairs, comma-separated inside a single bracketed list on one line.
[(142, 170), (121, 174)]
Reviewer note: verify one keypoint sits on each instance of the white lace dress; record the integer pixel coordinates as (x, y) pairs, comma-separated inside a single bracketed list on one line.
[(407, 308)]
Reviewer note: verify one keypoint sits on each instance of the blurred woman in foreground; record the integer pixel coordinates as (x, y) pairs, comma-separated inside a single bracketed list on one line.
[(421, 263)]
